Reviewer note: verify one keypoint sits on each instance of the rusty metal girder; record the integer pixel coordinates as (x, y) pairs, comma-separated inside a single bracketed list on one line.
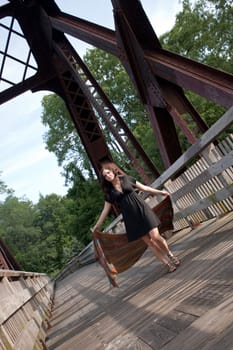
[(34, 22), (6, 10), (7, 260), (84, 119), (109, 115), (146, 84), (34, 83), (132, 57), (209, 82)]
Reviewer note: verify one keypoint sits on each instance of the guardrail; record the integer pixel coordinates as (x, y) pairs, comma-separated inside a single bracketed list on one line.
[(26, 301)]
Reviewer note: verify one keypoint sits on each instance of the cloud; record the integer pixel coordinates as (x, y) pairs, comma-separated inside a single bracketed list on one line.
[(27, 167), (162, 16), (26, 160)]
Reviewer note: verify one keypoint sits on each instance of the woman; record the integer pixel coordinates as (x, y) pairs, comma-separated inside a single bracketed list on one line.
[(140, 221)]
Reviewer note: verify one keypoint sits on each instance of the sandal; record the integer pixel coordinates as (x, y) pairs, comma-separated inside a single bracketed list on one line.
[(171, 268), (174, 260)]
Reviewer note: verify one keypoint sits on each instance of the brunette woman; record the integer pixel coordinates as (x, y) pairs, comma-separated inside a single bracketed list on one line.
[(140, 221)]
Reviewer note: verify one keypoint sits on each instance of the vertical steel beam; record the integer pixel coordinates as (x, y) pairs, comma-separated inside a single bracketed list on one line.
[(133, 38)]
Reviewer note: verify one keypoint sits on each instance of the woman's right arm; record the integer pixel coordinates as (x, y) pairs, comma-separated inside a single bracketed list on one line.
[(103, 215)]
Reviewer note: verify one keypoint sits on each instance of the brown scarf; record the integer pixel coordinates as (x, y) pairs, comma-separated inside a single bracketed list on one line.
[(115, 254)]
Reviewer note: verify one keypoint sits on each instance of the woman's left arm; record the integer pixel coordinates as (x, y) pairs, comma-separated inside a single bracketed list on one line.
[(149, 189)]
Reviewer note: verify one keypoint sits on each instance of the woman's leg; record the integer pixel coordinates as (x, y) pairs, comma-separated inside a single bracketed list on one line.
[(162, 243), (158, 252)]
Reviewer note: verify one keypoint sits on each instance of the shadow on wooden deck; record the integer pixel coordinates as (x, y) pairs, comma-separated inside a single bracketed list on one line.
[(191, 308)]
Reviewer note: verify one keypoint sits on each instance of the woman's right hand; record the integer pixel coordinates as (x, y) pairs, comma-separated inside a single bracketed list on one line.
[(95, 228)]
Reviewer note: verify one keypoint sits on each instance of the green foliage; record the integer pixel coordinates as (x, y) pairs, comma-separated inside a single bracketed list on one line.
[(203, 33), (56, 222), (43, 237), (17, 229), (62, 138), (88, 198), (4, 190), (115, 82)]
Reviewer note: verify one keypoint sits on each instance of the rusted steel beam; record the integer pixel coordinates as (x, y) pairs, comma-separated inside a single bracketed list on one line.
[(86, 31), (109, 115), (32, 83), (158, 74), (7, 260), (146, 83), (105, 39), (80, 108), (36, 26), (176, 98), (84, 120), (166, 136), (6, 10), (204, 80), (155, 99), (207, 81)]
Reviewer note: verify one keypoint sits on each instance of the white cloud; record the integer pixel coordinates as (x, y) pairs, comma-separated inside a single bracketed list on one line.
[(27, 167), (161, 16), (26, 161)]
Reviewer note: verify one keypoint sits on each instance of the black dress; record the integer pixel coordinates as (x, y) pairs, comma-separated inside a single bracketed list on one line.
[(138, 217)]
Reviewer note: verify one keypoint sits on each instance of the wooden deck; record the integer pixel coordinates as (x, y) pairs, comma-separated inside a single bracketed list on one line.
[(189, 309)]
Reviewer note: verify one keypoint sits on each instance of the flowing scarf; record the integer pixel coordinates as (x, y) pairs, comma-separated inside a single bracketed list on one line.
[(115, 254)]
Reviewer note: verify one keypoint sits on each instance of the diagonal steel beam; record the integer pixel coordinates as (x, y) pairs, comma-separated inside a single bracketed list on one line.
[(32, 83), (206, 81), (86, 31), (111, 118), (6, 10)]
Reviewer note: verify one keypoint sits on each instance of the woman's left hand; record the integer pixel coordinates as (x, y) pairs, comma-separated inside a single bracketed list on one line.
[(165, 193)]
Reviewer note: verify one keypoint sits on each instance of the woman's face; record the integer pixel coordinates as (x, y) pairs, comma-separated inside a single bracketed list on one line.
[(108, 174)]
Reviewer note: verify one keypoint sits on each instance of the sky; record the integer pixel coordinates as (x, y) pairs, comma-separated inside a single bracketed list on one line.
[(25, 164)]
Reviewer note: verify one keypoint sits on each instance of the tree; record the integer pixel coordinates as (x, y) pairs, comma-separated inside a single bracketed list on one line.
[(88, 199), (202, 33), (4, 189), (56, 220), (62, 138), (17, 229)]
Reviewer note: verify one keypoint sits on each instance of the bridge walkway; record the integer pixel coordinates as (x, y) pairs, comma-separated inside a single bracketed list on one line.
[(191, 308)]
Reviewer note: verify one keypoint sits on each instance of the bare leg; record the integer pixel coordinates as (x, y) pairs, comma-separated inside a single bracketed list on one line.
[(162, 243), (156, 250)]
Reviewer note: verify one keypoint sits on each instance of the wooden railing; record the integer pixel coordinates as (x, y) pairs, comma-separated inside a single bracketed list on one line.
[(26, 300), (203, 191)]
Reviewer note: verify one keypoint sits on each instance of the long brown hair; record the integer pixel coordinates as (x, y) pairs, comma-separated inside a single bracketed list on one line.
[(117, 171)]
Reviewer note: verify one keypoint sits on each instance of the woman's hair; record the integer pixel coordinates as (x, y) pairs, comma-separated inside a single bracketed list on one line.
[(114, 168)]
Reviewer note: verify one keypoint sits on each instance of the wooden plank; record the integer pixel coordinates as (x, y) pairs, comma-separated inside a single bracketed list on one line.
[(203, 333), (129, 342), (152, 309), (205, 176), (208, 202)]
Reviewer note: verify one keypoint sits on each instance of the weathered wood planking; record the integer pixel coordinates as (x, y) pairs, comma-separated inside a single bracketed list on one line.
[(191, 308)]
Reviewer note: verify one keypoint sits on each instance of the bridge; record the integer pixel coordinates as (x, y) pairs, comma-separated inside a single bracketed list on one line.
[(192, 307)]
